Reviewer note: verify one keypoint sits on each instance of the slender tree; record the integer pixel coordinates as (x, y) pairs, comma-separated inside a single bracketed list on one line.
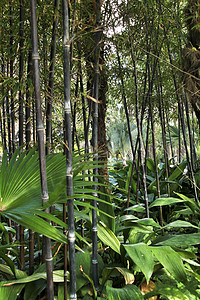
[(40, 135), (68, 151)]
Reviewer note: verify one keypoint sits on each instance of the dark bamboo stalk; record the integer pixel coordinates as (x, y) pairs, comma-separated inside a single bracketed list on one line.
[(95, 144), (74, 132), (21, 72), (139, 128), (8, 117), (28, 102), (82, 98), (68, 143), (3, 108), (192, 146), (181, 112), (179, 138), (12, 105), (28, 140), (21, 113), (186, 150), (163, 127), (51, 77), (155, 159), (171, 146), (147, 143), (41, 145)]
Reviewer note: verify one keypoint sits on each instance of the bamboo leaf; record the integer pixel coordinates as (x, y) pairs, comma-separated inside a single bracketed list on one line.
[(10, 292), (180, 223), (171, 261), (182, 240), (128, 292), (165, 201), (142, 256), (178, 171), (108, 237)]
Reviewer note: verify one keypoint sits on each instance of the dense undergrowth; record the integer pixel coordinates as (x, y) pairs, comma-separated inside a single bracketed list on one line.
[(137, 257)]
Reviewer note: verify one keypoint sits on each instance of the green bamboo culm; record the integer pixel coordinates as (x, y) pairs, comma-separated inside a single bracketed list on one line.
[(68, 151), (95, 146), (40, 134)]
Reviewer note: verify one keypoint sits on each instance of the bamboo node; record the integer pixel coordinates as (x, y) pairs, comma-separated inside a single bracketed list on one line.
[(66, 45), (40, 129), (49, 259), (94, 261), (35, 57), (71, 238)]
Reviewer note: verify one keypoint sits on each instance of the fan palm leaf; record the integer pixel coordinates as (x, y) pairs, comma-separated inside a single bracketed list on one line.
[(20, 192)]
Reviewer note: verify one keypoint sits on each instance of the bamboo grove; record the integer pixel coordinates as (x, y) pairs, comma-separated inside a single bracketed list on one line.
[(99, 176)]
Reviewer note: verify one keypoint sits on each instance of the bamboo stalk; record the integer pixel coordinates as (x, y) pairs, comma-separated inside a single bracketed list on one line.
[(139, 130), (12, 105), (28, 140), (28, 102), (21, 113), (3, 108), (8, 117), (21, 72), (155, 160), (69, 168), (51, 77), (95, 145), (40, 134)]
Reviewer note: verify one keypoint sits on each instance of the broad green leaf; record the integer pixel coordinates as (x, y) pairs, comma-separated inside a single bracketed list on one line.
[(178, 171), (108, 237), (142, 256), (6, 270), (34, 288), (171, 261), (180, 223), (182, 240), (168, 292), (10, 292), (147, 222), (9, 262), (109, 209), (128, 292), (39, 225), (150, 164), (58, 276), (165, 201)]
